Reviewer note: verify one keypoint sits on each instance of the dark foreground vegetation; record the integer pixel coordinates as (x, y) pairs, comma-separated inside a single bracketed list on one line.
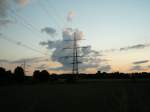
[(100, 92), (19, 77), (98, 96)]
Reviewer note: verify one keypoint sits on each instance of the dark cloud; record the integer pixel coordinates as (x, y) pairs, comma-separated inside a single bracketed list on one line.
[(5, 6), (29, 60), (141, 62), (105, 68), (42, 67), (4, 61), (148, 66), (90, 59), (138, 46), (52, 44), (138, 65), (137, 68), (133, 47), (4, 22), (50, 31)]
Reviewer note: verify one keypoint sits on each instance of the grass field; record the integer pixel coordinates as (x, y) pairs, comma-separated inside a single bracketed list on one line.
[(83, 96)]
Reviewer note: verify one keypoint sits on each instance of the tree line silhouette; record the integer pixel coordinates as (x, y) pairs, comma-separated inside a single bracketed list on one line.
[(19, 76)]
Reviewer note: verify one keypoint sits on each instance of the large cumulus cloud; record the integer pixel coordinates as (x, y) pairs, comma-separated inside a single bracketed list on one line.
[(89, 58)]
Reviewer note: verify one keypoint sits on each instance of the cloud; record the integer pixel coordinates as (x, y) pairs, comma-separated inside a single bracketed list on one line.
[(137, 68), (148, 66), (105, 68), (138, 46), (140, 68), (70, 16), (3, 8), (29, 60), (61, 54), (4, 61), (5, 5), (141, 62), (22, 2), (133, 47), (42, 67), (4, 22), (50, 31)]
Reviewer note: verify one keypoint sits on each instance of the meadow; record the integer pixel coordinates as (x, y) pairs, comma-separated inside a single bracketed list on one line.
[(81, 96)]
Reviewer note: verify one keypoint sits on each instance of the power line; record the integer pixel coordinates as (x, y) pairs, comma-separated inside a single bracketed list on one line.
[(47, 12), (75, 56), (55, 11), (15, 16), (26, 23), (21, 44), (18, 43), (22, 23)]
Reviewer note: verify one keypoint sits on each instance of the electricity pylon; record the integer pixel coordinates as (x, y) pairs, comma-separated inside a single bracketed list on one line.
[(75, 69), (24, 66), (75, 56)]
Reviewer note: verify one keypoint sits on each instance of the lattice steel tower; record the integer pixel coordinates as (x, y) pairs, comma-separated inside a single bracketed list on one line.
[(75, 56), (75, 69)]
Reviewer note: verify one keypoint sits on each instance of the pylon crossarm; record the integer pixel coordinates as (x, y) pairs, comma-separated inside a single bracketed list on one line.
[(76, 62), (74, 40), (70, 57), (76, 47)]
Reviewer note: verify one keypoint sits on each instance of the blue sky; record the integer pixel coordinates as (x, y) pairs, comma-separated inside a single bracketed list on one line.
[(106, 24)]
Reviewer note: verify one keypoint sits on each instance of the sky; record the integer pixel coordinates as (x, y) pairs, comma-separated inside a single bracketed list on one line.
[(115, 31)]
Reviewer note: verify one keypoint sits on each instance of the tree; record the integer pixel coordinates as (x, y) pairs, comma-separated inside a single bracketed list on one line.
[(10, 76), (2, 74), (36, 76), (19, 74), (44, 76)]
